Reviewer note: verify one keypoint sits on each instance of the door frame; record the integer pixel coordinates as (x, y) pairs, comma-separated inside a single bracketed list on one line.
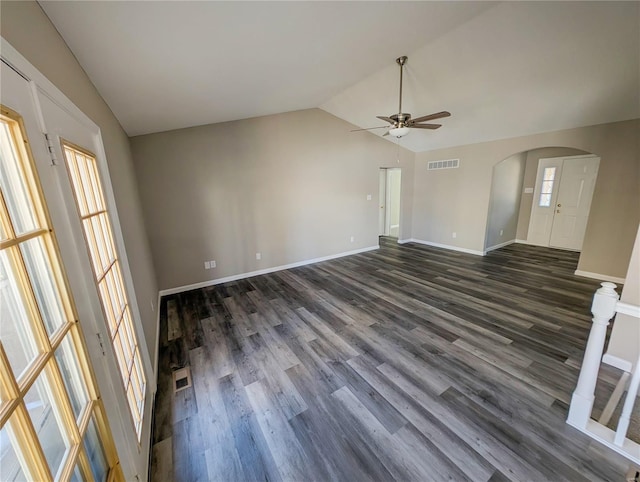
[(386, 171), (126, 447)]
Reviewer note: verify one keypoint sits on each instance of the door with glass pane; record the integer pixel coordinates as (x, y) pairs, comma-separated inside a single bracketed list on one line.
[(573, 203), (562, 200), (52, 418), (544, 201), (91, 220)]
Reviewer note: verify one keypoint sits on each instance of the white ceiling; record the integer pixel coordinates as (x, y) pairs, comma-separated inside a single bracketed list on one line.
[(502, 69)]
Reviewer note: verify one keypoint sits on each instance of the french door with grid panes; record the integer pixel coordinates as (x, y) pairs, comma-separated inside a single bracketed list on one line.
[(67, 410), (52, 417)]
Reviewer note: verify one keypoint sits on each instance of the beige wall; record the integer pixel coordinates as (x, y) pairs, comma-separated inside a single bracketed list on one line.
[(291, 186), (504, 204), (625, 334), (458, 199), (530, 172), (28, 30)]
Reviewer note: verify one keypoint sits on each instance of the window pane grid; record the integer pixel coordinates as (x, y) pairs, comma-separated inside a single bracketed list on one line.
[(6, 230), (74, 174), (546, 189), (85, 180), (21, 332), (37, 416), (15, 183), (85, 183), (23, 440)]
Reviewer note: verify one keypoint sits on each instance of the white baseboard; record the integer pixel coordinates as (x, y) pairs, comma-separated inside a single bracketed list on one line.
[(617, 362), (524, 241), (598, 276), (445, 246), (498, 246), (403, 241), (235, 277)]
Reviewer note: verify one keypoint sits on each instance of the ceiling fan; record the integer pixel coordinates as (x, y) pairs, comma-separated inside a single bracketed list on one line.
[(401, 123)]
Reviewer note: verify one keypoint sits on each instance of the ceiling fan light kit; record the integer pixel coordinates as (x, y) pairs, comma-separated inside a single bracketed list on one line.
[(398, 131), (402, 123)]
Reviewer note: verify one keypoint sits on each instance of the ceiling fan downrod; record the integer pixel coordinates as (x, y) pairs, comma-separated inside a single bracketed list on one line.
[(401, 61)]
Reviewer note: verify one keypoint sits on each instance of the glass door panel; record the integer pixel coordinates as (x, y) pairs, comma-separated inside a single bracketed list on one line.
[(48, 395)]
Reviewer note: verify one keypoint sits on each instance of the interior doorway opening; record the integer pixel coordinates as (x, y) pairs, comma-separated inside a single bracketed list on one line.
[(389, 201)]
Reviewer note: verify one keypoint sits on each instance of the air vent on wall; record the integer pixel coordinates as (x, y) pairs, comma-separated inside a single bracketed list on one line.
[(446, 164)]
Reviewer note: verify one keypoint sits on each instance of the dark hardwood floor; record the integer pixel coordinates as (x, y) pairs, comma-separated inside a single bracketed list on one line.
[(404, 363)]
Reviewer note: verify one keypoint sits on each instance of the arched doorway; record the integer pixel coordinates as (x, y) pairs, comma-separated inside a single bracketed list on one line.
[(514, 195)]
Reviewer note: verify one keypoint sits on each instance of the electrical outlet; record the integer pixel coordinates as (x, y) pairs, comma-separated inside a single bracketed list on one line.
[(207, 265), (351, 239), (212, 263), (454, 235), (368, 197), (258, 256), (501, 232)]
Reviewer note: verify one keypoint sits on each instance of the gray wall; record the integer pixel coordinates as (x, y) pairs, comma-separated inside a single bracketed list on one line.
[(25, 26), (458, 199), (291, 186), (504, 205), (530, 173)]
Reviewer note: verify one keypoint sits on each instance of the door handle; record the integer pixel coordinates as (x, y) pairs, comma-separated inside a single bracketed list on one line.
[(559, 205)]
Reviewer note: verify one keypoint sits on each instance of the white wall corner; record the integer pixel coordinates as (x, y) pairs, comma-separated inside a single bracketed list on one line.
[(498, 246)]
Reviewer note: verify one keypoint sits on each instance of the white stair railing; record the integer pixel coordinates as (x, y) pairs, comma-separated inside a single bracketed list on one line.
[(604, 307)]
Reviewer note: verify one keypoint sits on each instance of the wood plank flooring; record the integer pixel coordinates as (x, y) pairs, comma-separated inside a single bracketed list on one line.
[(404, 363)]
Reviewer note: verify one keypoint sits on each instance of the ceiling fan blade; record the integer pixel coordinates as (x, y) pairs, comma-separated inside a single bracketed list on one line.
[(386, 119), (425, 126), (368, 129), (437, 115)]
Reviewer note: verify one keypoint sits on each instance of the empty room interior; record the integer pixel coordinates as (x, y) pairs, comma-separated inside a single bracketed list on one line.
[(328, 241)]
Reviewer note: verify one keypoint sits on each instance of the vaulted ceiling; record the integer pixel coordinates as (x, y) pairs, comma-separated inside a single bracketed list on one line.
[(503, 69)]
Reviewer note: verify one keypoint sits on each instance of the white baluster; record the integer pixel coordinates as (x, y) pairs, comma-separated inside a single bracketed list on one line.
[(603, 309), (632, 393)]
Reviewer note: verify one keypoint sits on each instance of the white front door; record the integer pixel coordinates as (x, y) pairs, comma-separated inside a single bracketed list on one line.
[(562, 200), (574, 202)]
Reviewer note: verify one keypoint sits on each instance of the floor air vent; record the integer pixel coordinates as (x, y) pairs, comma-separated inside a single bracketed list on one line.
[(181, 379), (447, 164)]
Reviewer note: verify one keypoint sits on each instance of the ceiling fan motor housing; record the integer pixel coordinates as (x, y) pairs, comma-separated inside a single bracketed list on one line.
[(401, 119)]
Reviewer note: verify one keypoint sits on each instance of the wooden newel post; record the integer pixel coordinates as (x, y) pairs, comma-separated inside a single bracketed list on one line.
[(603, 309)]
